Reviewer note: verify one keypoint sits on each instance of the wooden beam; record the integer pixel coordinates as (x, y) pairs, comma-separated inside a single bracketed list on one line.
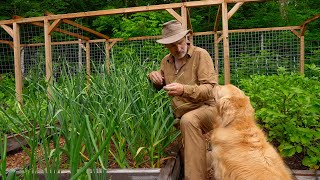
[(67, 21), (137, 9), (6, 42), (190, 4), (117, 11), (47, 40), (17, 62), (40, 24), (23, 20), (8, 29), (225, 43), (63, 31), (252, 30), (54, 25), (306, 22), (295, 33), (174, 14), (265, 29), (189, 24), (219, 39), (236, 1), (62, 43), (136, 38), (184, 20), (303, 30), (98, 34), (10, 43), (218, 17), (112, 44), (234, 9)]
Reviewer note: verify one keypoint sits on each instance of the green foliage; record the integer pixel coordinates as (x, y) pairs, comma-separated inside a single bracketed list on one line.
[(312, 71), (139, 24), (7, 86), (7, 99), (313, 56), (117, 114), (287, 107), (145, 51)]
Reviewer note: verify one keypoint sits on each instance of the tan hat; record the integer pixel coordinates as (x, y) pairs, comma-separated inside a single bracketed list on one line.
[(172, 32)]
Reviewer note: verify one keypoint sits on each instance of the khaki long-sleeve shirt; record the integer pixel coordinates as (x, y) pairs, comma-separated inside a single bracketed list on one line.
[(197, 76)]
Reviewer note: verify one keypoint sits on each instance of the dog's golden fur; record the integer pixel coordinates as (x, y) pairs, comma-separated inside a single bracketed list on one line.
[(240, 149)]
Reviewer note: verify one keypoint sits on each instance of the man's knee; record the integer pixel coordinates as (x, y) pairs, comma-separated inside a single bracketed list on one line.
[(187, 120)]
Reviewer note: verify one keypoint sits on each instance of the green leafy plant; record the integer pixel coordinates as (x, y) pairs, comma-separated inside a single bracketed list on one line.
[(287, 107), (116, 115)]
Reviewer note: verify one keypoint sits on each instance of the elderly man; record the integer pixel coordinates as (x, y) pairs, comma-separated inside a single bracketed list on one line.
[(187, 74)]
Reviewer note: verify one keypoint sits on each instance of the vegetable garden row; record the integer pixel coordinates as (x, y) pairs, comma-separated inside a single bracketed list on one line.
[(119, 118)]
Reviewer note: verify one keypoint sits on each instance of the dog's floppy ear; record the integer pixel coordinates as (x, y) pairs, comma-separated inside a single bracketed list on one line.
[(224, 111), (230, 107)]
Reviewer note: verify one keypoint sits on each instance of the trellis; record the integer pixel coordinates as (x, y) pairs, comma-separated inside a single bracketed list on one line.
[(61, 38)]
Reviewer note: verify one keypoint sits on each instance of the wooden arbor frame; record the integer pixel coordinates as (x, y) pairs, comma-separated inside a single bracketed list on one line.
[(50, 23)]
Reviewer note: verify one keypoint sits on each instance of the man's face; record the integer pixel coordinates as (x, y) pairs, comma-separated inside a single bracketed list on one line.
[(178, 49)]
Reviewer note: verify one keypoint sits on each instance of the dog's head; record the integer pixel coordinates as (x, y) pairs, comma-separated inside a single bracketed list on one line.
[(226, 91), (232, 104)]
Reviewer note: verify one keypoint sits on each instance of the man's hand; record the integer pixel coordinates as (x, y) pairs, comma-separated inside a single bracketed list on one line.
[(174, 89), (156, 78)]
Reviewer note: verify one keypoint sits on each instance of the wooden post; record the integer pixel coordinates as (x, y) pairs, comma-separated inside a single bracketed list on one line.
[(216, 42), (225, 43), (17, 62), (47, 42), (190, 26), (174, 14), (184, 16), (107, 47), (88, 61), (234, 9)]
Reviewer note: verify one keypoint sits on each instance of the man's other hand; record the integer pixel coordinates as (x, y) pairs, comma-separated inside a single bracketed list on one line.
[(156, 78), (174, 89)]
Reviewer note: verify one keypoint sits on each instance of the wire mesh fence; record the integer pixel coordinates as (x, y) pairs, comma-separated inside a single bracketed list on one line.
[(312, 53), (6, 52), (261, 53), (251, 52)]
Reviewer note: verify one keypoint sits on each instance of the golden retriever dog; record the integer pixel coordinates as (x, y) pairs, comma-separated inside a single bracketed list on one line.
[(240, 150)]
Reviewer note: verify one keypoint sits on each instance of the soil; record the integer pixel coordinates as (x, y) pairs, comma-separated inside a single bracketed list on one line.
[(19, 159)]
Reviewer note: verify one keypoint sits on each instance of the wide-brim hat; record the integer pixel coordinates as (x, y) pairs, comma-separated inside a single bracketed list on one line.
[(172, 31)]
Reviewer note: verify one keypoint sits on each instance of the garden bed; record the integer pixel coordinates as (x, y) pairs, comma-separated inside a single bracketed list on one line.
[(170, 168)]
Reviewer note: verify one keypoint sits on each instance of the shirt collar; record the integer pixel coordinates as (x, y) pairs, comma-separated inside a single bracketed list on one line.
[(189, 53)]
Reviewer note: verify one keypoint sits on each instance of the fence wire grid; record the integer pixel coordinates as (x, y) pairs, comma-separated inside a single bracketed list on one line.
[(251, 52)]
